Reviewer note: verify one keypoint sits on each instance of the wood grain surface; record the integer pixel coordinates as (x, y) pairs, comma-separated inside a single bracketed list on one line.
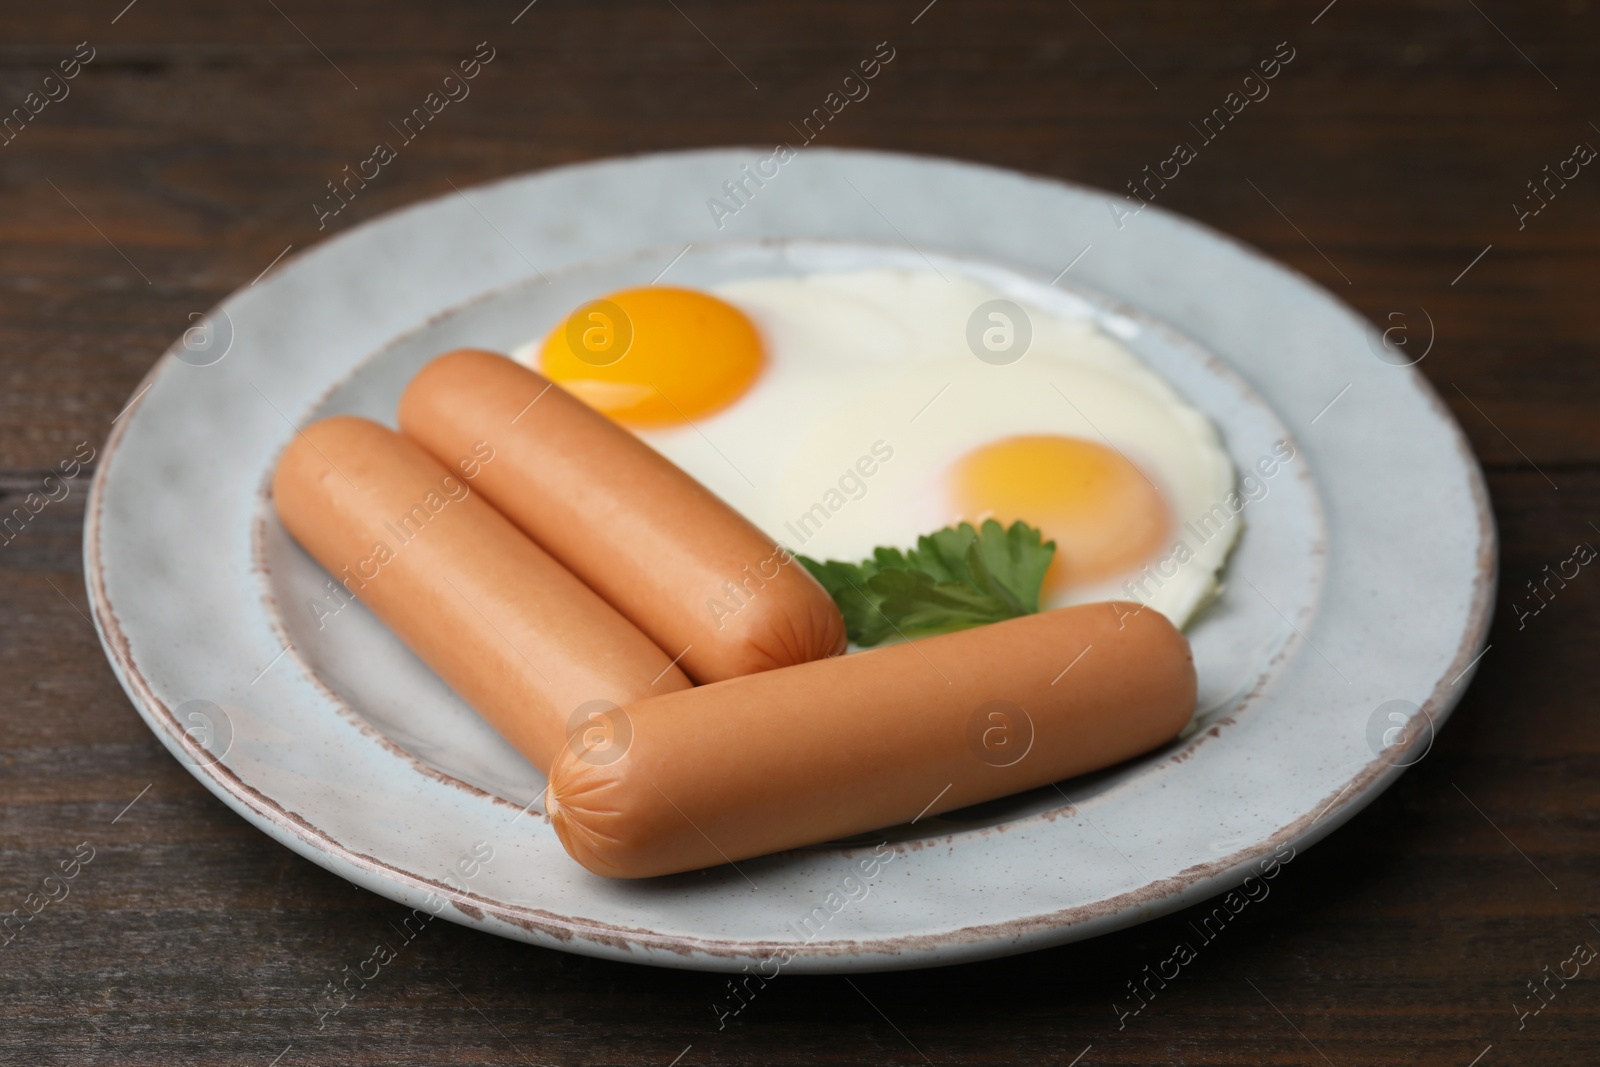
[(1389, 163)]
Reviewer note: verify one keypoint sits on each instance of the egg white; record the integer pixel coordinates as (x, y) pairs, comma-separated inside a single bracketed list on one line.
[(864, 363)]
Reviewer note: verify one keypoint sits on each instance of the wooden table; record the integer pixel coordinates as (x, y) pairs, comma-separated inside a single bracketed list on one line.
[(1390, 163)]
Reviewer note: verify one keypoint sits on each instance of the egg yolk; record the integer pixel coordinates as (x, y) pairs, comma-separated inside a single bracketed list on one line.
[(654, 356), (1103, 513)]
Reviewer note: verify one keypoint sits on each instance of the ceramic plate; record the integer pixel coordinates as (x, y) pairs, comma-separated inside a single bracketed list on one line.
[(1349, 625)]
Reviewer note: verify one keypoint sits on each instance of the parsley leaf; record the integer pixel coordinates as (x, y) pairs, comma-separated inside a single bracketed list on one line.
[(954, 579)]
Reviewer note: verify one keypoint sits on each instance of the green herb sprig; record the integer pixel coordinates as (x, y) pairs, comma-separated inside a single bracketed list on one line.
[(955, 578)]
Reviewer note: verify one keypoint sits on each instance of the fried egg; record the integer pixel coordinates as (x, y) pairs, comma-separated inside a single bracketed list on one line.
[(843, 411)]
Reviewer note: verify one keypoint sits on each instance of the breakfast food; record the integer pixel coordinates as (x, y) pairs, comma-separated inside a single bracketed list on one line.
[(736, 486), (886, 403), (713, 591), (817, 751), (523, 641)]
